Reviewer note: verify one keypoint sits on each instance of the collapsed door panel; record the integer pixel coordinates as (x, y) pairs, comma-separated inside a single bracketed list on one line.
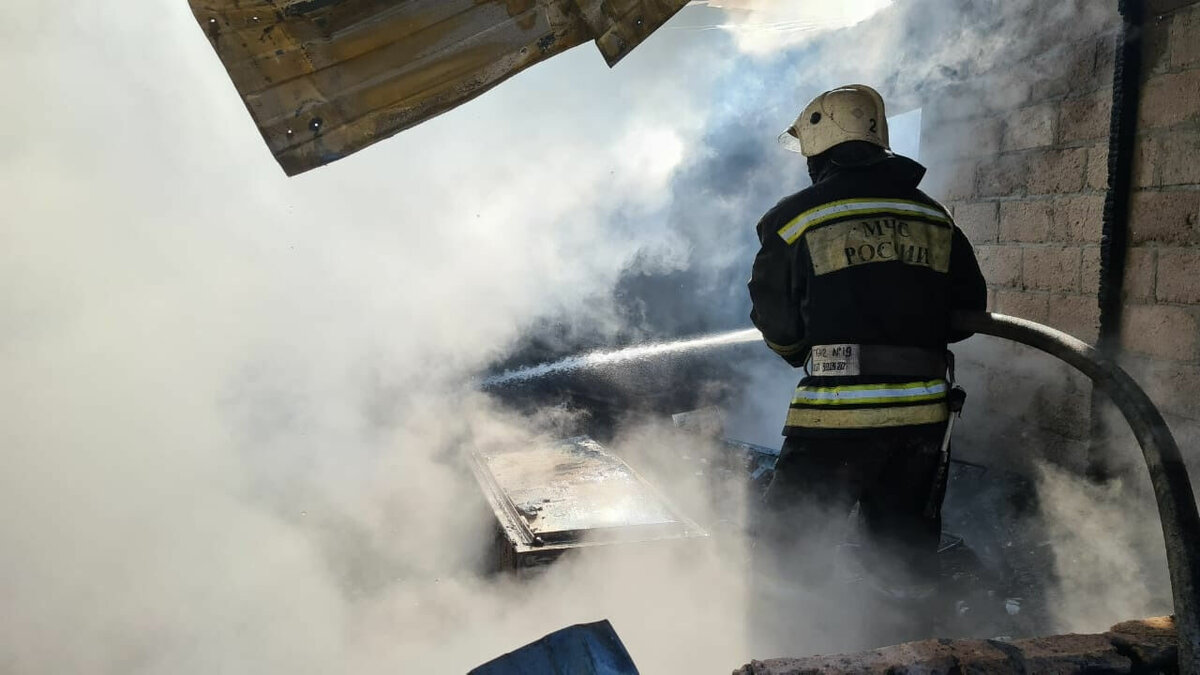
[(325, 78)]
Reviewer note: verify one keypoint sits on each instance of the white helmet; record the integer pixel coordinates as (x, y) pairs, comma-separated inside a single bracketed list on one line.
[(850, 113)]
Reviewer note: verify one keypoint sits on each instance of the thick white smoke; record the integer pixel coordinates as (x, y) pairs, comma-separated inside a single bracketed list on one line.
[(228, 394), (233, 401), (764, 27)]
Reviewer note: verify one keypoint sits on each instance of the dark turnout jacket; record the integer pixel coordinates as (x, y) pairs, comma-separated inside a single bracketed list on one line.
[(862, 258)]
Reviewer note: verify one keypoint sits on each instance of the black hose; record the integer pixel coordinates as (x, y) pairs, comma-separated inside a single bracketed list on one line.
[(1114, 238), (1168, 474)]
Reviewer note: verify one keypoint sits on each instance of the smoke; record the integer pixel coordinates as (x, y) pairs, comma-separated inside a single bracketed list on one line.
[(763, 27), (232, 399), (235, 404), (1091, 551), (1107, 553)]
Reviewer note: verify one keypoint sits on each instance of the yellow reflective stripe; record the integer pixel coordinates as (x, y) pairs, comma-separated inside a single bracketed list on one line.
[(850, 207), (910, 392), (869, 387), (785, 350), (865, 418), (855, 401)]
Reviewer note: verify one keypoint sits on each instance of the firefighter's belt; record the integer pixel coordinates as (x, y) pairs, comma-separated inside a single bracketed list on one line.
[(851, 360)]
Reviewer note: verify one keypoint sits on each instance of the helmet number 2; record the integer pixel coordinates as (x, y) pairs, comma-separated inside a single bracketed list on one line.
[(873, 125)]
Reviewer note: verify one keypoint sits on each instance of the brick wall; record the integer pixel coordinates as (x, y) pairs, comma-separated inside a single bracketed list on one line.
[(1020, 156), (1160, 329), (1021, 161)]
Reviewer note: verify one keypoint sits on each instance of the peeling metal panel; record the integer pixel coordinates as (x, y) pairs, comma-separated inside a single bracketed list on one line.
[(326, 78), (572, 493)]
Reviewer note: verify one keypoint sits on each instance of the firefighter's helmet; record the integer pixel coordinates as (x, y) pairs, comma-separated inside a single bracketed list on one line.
[(850, 113)]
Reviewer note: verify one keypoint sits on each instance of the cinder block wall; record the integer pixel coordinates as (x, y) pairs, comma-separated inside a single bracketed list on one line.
[(1160, 328), (1021, 161), (1020, 155)]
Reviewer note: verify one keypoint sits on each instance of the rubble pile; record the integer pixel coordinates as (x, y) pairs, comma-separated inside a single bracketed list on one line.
[(1146, 646)]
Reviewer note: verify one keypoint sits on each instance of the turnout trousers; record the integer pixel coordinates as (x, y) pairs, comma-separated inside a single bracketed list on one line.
[(892, 474)]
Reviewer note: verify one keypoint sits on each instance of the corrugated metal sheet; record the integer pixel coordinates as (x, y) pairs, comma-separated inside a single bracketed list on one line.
[(325, 78)]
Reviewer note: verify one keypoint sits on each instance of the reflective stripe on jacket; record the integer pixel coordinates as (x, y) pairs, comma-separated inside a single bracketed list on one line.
[(868, 405), (862, 257)]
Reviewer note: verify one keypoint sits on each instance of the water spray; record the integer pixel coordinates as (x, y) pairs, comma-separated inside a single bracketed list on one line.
[(598, 359)]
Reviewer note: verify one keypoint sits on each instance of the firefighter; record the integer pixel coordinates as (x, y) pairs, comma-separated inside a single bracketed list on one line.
[(855, 282)]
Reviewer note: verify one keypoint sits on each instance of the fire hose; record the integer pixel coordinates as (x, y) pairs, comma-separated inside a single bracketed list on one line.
[(1168, 474)]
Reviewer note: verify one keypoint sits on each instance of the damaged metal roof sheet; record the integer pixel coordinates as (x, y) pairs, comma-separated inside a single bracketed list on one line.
[(325, 78)]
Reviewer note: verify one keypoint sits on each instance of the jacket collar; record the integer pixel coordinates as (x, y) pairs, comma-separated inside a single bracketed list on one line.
[(882, 165)]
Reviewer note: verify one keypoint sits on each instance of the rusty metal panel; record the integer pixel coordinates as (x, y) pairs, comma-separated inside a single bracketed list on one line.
[(552, 497), (325, 78)]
